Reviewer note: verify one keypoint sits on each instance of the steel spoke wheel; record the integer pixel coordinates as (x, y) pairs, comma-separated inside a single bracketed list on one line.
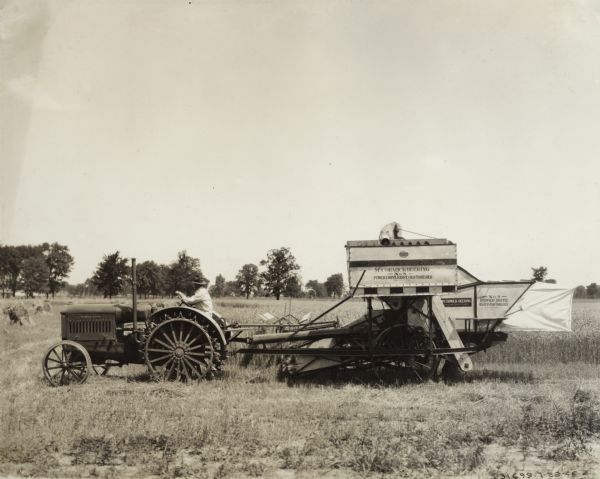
[(179, 350), (417, 367), (66, 363)]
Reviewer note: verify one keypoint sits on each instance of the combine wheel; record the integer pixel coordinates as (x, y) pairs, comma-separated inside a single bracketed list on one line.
[(420, 367), (451, 373), (65, 363), (179, 349)]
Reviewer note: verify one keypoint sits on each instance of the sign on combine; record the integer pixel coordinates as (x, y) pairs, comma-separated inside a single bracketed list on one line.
[(402, 267)]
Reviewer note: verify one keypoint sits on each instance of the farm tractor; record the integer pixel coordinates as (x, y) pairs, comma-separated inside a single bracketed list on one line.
[(425, 316)]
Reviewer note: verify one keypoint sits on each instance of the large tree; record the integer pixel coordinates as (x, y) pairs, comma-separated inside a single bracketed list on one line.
[(182, 274), (593, 290), (34, 275), (217, 290), (149, 278), (11, 260), (59, 262), (293, 288), (5, 258), (318, 289), (87, 288), (111, 274), (335, 285), (248, 279), (11, 263), (580, 292), (232, 288), (281, 267), (539, 274)]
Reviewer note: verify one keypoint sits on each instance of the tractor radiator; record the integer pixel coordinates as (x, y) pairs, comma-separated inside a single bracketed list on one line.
[(88, 326)]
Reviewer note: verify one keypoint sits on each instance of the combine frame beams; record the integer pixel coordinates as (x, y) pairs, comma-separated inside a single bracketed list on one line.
[(450, 333)]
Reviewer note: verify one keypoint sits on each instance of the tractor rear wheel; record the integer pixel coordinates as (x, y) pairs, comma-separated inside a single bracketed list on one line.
[(66, 362), (179, 350)]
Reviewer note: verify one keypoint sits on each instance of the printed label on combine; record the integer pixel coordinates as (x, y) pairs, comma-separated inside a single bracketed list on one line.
[(457, 302), (400, 276), (493, 300), (404, 273)]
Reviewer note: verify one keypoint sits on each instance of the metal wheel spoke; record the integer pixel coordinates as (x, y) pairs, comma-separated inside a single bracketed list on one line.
[(160, 358), (157, 350), (199, 374), (185, 370), (53, 367), (173, 333), (69, 376), (166, 337), (165, 366), (204, 365), (171, 368), (53, 360), (162, 343), (188, 335), (75, 374), (200, 368), (196, 339), (197, 347), (201, 355)]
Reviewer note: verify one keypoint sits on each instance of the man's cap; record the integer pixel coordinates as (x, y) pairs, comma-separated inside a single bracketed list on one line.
[(201, 282)]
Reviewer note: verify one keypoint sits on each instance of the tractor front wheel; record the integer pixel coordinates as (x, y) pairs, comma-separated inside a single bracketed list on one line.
[(66, 362)]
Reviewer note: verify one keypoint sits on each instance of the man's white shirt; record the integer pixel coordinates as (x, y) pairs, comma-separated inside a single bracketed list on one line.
[(200, 300)]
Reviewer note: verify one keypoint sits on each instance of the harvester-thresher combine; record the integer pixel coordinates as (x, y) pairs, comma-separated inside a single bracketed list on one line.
[(425, 316)]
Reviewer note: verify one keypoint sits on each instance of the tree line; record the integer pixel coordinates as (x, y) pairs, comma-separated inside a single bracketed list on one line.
[(591, 291), (34, 268), (280, 275), (43, 269)]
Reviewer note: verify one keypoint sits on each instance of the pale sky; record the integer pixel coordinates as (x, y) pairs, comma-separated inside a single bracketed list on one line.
[(228, 128)]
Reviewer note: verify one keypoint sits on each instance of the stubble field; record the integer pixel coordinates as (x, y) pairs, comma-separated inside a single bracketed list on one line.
[(532, 407)]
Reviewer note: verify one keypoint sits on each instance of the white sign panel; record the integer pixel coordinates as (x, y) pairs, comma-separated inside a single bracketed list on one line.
[(403, 266)]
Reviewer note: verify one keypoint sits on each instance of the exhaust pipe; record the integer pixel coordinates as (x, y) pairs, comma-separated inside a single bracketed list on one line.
[(134, 297)]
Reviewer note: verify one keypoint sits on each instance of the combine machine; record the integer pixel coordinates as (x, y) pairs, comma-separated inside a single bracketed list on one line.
[(425, 316), (411, 289)]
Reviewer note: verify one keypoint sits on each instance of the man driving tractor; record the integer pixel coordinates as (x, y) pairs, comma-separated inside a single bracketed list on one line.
[(200, 300)]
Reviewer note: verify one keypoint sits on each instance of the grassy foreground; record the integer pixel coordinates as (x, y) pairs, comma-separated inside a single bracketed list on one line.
[(510, 416)]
